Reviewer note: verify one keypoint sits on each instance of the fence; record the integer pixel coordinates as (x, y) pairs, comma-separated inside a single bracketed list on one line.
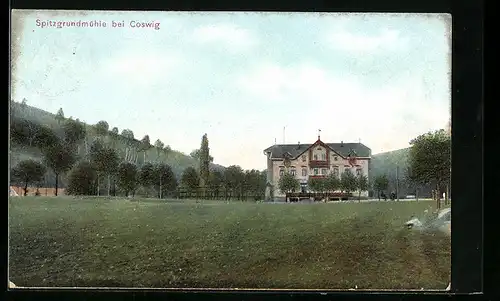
[(317, 196), (43, 191), (218, 194)]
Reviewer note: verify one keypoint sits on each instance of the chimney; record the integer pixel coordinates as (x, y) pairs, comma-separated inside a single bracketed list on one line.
[(341, 143), (298, 146)]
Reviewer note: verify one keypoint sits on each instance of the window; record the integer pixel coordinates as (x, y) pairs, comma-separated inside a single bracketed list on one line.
[(304, 172), (293, 172), (282, 172), (304, 158), (323, 171), (336, 171), (335, 158), (315, 157), (315, 171), (359, 171), (323, 157)]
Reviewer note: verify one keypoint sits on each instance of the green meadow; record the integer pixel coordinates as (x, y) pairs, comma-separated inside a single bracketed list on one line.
[(116, 242)]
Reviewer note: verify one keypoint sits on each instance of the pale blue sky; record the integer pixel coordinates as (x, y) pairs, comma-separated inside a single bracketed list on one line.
[(242, 77)]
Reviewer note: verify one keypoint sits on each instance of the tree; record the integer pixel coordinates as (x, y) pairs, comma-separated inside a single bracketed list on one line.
[(45, 138), (145, 146), (147, 176), (362, 184), (332, 183), (27, 172), (127, 177), (159, 147), (215, 181), (74, 131), (316, 184), (253, 183), (196, 153), (128, 136), (24, 104), (233, 178), (111, 161), (81, 179), (430, 160), (380, 183), (288, 183), (60, 158), (348, 181), (204, 159), (59, 116), (190, 178), (164, 179), (102, 128), (97, 158)]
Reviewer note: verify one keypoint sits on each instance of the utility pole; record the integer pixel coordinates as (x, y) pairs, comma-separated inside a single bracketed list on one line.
[(397, 182)]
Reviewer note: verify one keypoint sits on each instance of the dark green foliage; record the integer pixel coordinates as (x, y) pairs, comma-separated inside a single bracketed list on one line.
[(332, 183), (101, 128), (147, 176), (288, 183), (28, 133), (348, 181), (204, 160), (233, 177), (59, 158), (159, 147), (216, 179), (317, 184), (361, 184), (190, 178), (74, 131), (27, 172), (128, 134), (196, 153), (430, 158), (81, 179), (127, 177), (60, 116), (164, 179), (380, 183), (254, 183)]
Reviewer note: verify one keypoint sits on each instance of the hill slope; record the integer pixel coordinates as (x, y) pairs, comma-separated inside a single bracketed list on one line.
[(392, 163), (128, 149)]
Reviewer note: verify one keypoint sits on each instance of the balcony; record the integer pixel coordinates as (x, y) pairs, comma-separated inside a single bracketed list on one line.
[(318, 163)]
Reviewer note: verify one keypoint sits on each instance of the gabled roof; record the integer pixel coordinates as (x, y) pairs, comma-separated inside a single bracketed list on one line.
[(344, 149)]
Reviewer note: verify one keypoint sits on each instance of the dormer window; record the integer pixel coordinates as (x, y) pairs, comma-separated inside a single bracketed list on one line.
[(315, 157), (323, 157), (304, 158)]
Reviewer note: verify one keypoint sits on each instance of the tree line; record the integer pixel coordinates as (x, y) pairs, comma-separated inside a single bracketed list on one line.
[(100, 164)]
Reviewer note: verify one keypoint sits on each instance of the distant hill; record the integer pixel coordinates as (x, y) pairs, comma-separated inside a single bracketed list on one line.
[(124, 146), (392, 163)]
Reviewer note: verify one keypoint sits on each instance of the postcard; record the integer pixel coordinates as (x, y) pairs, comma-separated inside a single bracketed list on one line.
[(230, 150)]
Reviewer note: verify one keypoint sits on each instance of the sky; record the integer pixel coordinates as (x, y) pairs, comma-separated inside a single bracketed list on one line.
[(245, 79)]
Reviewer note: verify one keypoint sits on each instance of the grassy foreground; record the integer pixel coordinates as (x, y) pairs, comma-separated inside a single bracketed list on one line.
[(74, 242)]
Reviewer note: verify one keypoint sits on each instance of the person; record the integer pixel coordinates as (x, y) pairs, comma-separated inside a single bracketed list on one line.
[(384, 196)]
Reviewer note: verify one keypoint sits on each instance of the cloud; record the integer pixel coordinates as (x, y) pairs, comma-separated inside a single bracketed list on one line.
[(386, 40), (142, 68), (309, 97), (231, 37)]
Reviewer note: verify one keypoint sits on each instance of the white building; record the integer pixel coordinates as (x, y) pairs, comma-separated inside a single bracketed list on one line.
[(314, 160)]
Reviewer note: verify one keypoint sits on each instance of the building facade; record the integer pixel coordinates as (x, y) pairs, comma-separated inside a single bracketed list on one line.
[(314, 160)]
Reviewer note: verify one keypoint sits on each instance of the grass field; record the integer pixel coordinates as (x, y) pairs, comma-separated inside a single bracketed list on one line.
[(79, 242)]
